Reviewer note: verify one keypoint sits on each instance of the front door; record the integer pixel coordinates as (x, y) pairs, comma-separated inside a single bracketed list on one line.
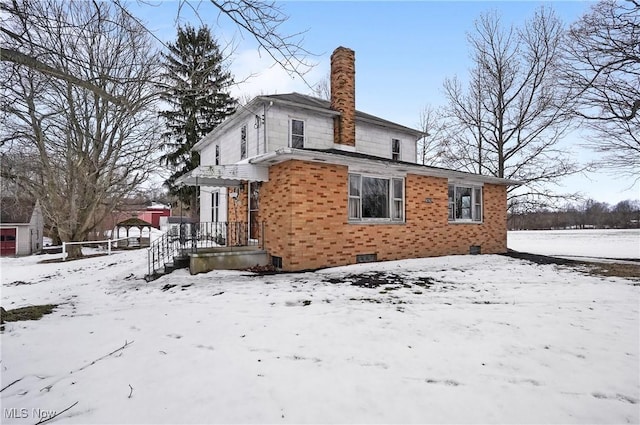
[(7, 242), (254, 201)]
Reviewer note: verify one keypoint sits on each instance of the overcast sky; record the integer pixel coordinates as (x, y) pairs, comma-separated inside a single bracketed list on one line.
[(404, 51)]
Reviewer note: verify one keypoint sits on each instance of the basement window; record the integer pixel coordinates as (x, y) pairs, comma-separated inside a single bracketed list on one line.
[(366, 258), (375, 199), (465, 203)]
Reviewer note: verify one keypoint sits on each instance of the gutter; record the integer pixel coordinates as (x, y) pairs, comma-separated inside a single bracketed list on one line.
[(285, 154)]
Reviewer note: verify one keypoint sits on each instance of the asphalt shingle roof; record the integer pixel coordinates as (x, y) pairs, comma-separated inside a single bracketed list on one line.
[(314, 102)]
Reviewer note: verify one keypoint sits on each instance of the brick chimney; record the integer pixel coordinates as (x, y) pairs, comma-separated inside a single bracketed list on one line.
[(343, 95)]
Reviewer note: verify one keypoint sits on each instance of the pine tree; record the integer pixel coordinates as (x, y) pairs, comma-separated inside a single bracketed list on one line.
[(196, 86)]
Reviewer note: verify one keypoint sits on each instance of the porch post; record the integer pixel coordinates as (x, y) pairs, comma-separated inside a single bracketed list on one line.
[(248, 212)]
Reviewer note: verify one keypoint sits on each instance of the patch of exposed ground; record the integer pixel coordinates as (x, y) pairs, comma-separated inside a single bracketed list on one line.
[(611, 269), (34, 312), (629, 271), (390, 281)]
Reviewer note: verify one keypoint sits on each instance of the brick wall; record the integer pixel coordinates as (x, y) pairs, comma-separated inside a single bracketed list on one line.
[(304, 207), (237, 208), (343, 95)]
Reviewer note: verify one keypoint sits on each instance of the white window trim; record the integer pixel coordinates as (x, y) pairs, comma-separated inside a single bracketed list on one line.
[(473, 187), (391, 199), (215, 206), (304, 131), (399, 149)]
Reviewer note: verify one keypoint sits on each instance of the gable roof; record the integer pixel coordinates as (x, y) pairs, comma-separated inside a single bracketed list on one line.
[(134, 222), (16, 210), (303, 101), (314, 103)]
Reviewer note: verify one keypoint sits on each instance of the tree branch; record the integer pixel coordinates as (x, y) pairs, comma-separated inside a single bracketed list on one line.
[(10, 55)]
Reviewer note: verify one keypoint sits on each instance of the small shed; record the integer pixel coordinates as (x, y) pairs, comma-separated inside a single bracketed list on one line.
[(134, 232), (21, 226), (154, 212)]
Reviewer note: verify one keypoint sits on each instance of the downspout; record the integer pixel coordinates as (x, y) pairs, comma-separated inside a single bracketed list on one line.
[(264, 127)]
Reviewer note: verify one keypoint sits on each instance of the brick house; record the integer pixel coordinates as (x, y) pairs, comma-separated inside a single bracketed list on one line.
[(322, 184)]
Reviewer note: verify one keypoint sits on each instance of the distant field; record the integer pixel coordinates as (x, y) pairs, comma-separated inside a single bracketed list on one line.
[(619, 244)]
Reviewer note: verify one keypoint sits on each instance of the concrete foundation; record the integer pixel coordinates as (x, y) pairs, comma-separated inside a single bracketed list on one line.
[(224, 258)]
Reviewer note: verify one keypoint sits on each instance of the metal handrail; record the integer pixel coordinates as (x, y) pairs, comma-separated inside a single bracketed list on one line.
[(204, 235), (162, 251)]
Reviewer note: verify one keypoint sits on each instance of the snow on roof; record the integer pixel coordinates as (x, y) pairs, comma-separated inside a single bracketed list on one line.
[(158, 206)]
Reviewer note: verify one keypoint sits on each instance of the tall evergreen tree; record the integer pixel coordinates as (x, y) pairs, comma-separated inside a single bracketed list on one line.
[(196, 85)]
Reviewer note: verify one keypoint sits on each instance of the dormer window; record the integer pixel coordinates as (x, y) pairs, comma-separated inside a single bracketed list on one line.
[(297, 134), (395, 149)]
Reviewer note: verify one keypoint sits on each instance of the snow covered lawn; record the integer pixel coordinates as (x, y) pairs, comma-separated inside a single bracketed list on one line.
[(481, 339), (614, 243)]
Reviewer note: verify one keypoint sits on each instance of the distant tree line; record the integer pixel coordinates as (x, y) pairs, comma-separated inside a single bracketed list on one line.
[(588, 215)]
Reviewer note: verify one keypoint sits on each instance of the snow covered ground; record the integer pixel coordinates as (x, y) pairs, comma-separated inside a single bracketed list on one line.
[(615, 243), (460, 339)]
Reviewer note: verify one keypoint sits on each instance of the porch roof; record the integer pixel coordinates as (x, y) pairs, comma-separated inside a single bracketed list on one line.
[(224, 175)]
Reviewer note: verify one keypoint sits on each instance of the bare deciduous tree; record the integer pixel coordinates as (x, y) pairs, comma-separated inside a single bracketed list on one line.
[(261, 20), (509, 121), (322, 89), (64, 144), (430, 146), (602, 71)]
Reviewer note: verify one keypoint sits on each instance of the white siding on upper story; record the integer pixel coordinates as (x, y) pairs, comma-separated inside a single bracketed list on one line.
[(376, 140), (318, 128), (371, 139), (229, 140)]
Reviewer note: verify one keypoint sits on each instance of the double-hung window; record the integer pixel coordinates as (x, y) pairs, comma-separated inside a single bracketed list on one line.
[(395, 149), (243, 142), (465, 203), (375, 198), (215, 207), (297, 134)]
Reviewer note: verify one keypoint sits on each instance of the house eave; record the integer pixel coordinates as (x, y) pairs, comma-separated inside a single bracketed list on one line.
[(286, 154), (297, 105), (228, 123), (390, 125), (224, 175)]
